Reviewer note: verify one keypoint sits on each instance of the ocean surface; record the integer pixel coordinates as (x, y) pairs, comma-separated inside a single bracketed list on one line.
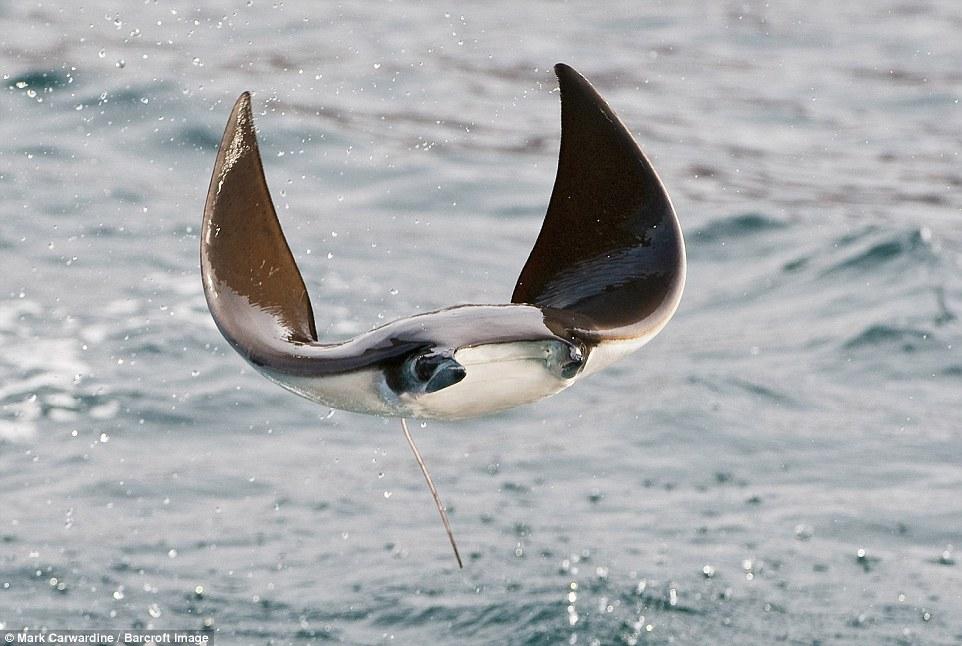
[(782, 464)]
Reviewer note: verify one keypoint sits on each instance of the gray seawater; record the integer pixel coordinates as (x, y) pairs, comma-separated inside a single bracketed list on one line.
[(783, 464)]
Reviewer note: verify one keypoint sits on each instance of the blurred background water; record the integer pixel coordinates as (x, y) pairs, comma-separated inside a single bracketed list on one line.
[(781, 464)]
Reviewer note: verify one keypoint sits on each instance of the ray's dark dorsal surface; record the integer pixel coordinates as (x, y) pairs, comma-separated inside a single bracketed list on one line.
[(604, 277), (611, 247)]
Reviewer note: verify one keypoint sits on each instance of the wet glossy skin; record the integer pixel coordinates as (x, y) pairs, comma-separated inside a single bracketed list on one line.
[(604, 276)]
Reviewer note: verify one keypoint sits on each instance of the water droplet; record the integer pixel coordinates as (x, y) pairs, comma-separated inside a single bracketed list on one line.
[(153, 610), (196, 61), (104, 438), (387, 494), (102, 53), (377, 66), (172, 553), (119, 593), (946, 557), (121, 64)]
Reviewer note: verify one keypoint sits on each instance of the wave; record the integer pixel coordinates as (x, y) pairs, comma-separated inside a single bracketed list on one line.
[(907, 338), (870, 253), (737, 226)]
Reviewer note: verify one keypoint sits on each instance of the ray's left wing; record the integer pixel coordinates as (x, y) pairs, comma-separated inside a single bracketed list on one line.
[(253, 287)]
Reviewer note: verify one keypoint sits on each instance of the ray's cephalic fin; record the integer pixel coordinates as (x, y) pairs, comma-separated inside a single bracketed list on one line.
[(610, 250)]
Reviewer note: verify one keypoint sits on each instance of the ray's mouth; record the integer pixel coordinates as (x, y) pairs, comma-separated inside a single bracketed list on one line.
[(564, 360)]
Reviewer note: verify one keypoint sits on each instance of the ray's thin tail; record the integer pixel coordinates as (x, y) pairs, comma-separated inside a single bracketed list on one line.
[(434, 491)]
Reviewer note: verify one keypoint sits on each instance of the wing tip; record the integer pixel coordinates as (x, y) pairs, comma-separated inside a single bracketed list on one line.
[(243, 101), (242, 118), (569, 76), (244, 106)]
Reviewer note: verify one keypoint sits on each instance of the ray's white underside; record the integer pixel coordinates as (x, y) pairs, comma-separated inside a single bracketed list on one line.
[(498, 376)]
